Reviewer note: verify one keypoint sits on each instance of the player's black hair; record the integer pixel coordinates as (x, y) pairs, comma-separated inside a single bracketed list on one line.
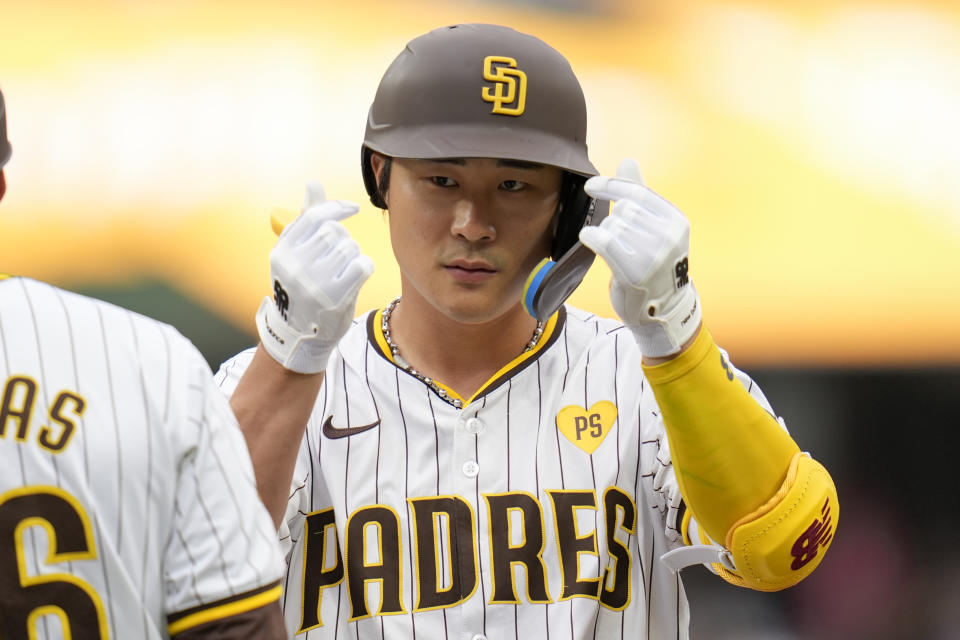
[(383, 184)]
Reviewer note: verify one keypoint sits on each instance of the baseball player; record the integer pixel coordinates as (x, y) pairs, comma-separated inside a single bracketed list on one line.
[(478, 459), (128, 507)]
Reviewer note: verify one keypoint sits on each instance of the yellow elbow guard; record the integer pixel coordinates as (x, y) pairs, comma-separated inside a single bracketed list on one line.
[(783, 541)]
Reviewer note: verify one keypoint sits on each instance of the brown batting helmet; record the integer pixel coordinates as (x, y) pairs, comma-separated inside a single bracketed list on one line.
[(487, 91)]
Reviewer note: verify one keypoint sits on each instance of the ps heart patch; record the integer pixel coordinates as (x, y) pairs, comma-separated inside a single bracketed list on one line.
[(587, 428)]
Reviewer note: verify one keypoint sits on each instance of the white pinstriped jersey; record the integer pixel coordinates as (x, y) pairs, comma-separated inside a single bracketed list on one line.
[(128, 507), (540, 509)]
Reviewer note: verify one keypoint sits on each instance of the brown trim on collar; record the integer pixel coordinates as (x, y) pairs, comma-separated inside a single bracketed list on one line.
[(379, 345), (499, 380), (373, 335)]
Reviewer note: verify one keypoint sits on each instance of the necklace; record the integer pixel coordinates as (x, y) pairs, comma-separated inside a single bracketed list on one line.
[(430, 382)]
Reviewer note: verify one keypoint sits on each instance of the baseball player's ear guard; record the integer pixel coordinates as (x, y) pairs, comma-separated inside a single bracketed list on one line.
[(551, 283), (553, 280)]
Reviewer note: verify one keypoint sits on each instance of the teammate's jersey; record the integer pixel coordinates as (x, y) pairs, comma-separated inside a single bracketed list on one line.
[(128, 507), (540, 509)]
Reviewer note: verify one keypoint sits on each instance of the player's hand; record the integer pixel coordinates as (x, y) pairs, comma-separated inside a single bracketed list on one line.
[(317, 270), (645, 241)]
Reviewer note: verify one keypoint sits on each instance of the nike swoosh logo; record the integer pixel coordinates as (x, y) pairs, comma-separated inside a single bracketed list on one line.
[(332, 432)]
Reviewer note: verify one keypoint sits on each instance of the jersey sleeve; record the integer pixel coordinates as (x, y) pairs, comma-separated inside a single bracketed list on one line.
[(230, 372), (223, 563), (298, 504)]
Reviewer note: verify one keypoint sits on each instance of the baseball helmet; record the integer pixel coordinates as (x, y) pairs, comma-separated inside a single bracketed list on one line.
[(487, 91), (5, 148)]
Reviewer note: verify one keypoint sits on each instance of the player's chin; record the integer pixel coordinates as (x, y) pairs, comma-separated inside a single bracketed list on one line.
[(478, 303)]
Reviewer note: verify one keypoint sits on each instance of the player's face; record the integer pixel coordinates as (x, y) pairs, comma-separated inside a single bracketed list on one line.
[(467, 232)]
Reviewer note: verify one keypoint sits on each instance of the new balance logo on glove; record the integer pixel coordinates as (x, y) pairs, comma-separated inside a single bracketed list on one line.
[(681, 273), (281, 298)]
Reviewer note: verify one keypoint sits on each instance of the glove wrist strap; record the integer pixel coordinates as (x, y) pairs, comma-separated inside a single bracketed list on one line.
[(301, 353), (664, 335)]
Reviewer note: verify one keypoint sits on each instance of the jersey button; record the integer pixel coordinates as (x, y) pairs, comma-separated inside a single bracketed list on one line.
[(479, 636), (474, 425), (471, 469)]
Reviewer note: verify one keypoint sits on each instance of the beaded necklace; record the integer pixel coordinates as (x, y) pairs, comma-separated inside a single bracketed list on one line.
[(430, 382)]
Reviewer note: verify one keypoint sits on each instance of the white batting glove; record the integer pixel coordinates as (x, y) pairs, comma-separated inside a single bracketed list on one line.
[(645, 241), (317, 270)]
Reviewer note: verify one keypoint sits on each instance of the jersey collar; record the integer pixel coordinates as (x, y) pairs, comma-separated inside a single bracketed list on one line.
[(551, 331)]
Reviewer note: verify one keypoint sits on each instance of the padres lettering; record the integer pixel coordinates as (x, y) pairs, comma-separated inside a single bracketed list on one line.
[(509, 85), (444, 535)]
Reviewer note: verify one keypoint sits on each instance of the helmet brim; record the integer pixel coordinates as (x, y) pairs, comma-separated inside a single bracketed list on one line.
[(459, 140)]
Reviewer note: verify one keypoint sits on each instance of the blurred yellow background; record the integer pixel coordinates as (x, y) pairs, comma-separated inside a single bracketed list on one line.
[(814, 146)]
